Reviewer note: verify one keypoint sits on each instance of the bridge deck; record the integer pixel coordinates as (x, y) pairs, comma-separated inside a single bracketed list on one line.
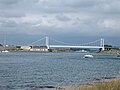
[(62, 46)]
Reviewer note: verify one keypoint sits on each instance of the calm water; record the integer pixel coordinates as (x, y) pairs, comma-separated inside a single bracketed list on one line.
[(25, 71)]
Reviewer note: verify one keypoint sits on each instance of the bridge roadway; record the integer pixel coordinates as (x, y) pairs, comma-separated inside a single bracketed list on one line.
[(64, 46)]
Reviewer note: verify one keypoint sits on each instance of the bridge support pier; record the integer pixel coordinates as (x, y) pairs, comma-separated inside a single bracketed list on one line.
[(103, 49)]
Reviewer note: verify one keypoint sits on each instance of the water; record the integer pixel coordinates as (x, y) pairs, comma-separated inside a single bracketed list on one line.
[(37, 71)]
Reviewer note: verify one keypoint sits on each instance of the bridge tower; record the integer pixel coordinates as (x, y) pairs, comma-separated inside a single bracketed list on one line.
[(102, 44), (47, 42)]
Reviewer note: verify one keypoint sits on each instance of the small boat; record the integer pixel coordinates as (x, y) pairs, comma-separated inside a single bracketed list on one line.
[(5, 51), (4, 46), (88, 56)]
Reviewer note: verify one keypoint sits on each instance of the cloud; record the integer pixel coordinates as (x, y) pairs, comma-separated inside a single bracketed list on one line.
[(8, 24), (62, 17), (10, 14), (8, 2), (110, 24), (59, 17)]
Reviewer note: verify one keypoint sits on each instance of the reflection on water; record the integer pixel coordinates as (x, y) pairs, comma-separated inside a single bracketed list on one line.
[(26, 71)]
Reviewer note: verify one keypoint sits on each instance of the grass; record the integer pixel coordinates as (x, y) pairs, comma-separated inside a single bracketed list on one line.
[(108, 85)]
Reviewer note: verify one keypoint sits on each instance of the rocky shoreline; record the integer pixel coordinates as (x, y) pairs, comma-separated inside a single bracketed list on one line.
[(112, 51)]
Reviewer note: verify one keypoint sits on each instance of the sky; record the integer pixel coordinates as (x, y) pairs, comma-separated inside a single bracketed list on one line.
[(24, 21)]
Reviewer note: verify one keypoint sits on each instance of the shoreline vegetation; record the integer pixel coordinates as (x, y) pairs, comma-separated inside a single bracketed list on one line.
[(44, 49), (111, 84), (12, 48)]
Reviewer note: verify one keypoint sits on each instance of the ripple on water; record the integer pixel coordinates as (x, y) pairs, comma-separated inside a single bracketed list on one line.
[(29, 71)]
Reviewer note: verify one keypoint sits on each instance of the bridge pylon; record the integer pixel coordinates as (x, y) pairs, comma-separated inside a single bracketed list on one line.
[(102, 43), (47, 42)]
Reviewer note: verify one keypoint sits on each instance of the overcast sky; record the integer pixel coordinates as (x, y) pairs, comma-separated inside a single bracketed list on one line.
[(60, 18)]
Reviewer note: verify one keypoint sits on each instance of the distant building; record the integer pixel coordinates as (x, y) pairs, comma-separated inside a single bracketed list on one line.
[(8, 47), (39, 48), (25, 47), (108, 47)]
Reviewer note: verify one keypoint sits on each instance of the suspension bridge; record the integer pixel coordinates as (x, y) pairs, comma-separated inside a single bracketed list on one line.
[(97, 44)]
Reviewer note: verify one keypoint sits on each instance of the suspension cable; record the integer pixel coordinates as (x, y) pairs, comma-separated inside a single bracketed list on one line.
[(37, 41), (61, 42), (65, 43), (91, 42), (75, 44)]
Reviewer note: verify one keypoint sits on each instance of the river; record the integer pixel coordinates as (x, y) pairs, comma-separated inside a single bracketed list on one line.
[(27, 71)]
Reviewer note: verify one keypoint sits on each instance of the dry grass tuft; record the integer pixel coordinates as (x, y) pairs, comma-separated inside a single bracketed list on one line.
[(109, 85)]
